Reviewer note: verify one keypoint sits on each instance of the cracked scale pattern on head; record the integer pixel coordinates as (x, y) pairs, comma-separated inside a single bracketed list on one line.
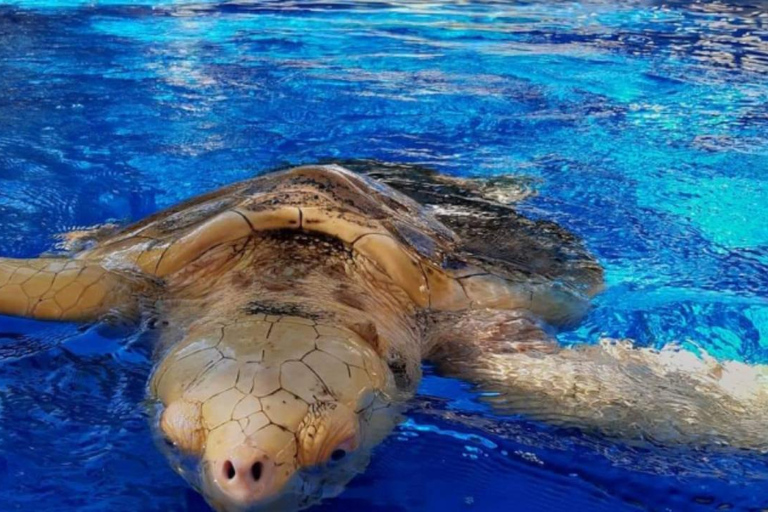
[(286, 386)]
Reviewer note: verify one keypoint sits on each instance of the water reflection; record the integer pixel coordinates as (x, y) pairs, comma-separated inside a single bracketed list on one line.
[(642, 126)]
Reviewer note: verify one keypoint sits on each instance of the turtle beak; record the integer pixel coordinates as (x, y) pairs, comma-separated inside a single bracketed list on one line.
[(252, 472), (246, 478)]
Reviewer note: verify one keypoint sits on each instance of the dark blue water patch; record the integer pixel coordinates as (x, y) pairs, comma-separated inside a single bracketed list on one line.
[(684, 479)]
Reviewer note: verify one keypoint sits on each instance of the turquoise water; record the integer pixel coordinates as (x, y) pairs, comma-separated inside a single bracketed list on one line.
[(640, 126)]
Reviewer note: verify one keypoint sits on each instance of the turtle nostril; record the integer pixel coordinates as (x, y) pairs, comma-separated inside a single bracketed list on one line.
[(229, 470), (256, 470)]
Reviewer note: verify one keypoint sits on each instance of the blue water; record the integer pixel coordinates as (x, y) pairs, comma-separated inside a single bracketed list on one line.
[(642, 126)]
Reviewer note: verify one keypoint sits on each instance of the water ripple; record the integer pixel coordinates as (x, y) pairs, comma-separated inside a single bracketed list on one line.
[(642, 126)]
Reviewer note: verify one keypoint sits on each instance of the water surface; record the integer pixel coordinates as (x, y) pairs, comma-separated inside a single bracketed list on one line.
[(641, 126)]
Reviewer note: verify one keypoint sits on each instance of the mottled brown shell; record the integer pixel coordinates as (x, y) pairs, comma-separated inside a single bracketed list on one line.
[(453, 251)]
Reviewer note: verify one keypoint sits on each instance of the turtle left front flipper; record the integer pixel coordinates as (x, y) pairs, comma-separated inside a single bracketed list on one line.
[(64, 289), (612, 388)]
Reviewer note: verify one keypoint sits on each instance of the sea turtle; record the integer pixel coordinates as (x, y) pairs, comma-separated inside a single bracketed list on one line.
[(293, 312)]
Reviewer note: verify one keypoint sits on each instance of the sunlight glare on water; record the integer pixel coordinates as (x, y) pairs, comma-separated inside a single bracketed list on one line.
[(641, 126)]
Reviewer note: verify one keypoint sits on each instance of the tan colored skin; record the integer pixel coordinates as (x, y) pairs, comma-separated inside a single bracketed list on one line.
[(283, 385), (293, 396), (56, 289), (296, 309)]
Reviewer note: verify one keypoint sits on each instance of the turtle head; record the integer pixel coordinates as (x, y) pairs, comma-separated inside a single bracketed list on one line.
[(273, 413)]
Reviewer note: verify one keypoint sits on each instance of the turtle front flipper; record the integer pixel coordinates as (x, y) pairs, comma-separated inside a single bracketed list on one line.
[(668, 396), (64, 289)]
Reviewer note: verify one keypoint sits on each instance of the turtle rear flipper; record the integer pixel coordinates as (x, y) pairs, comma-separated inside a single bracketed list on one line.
[(426, 186), (481, 212), (502, 259), (64, 289)]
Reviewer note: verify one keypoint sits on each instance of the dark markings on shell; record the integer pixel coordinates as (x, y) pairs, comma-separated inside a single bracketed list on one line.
[(286, 309), (318, 242)]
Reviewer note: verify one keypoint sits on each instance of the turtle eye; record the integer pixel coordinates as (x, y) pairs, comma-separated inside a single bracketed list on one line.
[(338, 454), (342, 449)]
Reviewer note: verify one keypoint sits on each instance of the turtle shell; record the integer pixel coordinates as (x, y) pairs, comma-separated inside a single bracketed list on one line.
[(506, 251), (446, 244)]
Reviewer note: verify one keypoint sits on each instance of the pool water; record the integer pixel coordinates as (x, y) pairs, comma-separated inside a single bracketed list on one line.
[(642, 126)]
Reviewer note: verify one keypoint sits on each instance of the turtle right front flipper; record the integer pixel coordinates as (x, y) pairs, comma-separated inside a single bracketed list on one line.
[(64, 289), (668, 396)]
